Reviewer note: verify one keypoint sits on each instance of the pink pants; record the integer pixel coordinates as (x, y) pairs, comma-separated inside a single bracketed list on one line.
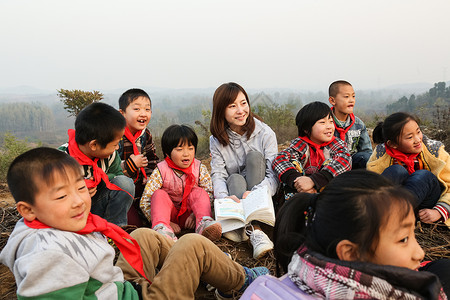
[(164, 211)]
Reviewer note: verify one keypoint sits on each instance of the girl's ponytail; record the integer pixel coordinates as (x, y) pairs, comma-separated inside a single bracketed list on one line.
[(292, 223), (377, 134)]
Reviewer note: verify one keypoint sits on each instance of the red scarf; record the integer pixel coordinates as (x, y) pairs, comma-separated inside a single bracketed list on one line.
[(317, 157), (407, 159), (83, 160), (190, 180), (127, 245), (342, 131), (132, 138)]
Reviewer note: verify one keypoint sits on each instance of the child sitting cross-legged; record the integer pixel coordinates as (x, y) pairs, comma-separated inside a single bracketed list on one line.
[(178, 193), (58, 250)]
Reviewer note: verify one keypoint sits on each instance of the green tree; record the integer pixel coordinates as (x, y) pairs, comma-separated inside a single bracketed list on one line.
[(11, 148), (75, 100)]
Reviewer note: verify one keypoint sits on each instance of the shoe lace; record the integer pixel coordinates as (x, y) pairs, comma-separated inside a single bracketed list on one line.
[(256, 237)]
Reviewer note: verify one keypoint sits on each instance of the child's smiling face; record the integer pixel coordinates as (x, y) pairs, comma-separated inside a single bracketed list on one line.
[(138, 114), (183, 155), (410, 139), (323, 130), (64, 203)]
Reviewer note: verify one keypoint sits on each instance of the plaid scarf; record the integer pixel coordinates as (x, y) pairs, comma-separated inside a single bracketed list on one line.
[(127, 245), (327, 278)]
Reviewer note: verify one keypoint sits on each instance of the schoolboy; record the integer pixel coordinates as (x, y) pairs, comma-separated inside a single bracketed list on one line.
[(349, 128), (98, 129), (58, 250), (136, 148)]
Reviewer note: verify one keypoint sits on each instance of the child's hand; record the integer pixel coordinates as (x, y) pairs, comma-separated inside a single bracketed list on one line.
[(190, 222), (139, 160), (303, 184), (175, 227), (245, 194), (427, 215), (236, 199)]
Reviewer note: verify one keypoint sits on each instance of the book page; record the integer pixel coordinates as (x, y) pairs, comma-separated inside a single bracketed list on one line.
[(227, 208), (259, 200)]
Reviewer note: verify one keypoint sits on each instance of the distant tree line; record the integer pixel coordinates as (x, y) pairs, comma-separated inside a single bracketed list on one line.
[(20, 117), (427, 105)]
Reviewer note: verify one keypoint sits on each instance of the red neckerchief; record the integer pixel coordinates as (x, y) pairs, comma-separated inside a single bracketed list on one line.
[(132, 138), (316, 156), (342, 131), (407, 159), (83, 160), (127, 245), (190, 179)]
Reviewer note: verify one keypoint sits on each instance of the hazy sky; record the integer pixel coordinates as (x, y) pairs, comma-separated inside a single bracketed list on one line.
[(107, 44)]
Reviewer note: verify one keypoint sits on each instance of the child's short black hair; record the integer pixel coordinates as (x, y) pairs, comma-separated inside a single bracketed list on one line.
[(308, 115), (98, 121), (130, 95), (333, 89), (176, 135), (39, 163)]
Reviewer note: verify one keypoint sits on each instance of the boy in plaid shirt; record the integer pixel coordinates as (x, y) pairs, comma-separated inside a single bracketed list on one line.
[(137, 149)]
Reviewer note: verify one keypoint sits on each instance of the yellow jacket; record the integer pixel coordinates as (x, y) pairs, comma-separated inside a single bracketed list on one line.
[(435, 159)]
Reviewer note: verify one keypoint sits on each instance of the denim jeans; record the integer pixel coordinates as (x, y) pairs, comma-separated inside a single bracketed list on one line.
[(113, 205), (359, 160), (255, 167), (422, 183)]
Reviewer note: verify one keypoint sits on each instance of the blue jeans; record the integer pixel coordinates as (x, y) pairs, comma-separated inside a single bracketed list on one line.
[(113, 205), (255, 167), (359, 160), (422, 183)]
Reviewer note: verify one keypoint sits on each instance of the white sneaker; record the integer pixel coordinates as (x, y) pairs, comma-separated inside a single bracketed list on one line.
[(260, 242), (237, 235)]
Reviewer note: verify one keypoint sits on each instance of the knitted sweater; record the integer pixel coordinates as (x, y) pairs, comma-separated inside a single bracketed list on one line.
[(55, 264)]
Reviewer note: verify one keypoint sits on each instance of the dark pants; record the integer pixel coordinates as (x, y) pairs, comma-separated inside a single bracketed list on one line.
[(422, 183)]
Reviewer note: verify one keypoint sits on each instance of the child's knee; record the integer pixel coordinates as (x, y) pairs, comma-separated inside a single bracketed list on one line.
[(125, 183)]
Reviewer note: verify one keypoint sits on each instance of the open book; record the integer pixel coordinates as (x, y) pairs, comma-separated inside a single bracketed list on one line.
[(257, 206)]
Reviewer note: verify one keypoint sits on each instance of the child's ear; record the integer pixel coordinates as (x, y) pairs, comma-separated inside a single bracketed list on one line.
[(391, 144), (347, 251), (25, 210), (121, 111), (93, 145), (332, 101)]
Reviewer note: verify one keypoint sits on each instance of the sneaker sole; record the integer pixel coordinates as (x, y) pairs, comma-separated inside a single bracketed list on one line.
[(262, 253), (213, 232)]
